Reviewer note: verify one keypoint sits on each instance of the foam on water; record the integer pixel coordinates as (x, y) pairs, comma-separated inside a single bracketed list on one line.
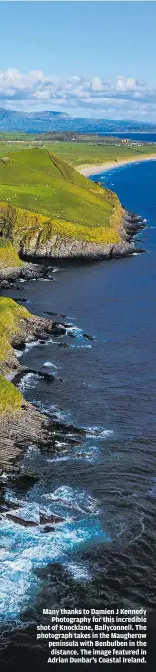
[(83, 345), (18, 353), (24, 549), (29, 380), (76, 331), (32, 450), (64, 458), (75, 499), (98, 432), (55, 412), (32, 344), (49, 364), (85, 453), (78, 571)]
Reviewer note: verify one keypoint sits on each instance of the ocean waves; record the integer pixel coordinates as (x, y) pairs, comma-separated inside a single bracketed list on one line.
[(24, 548)]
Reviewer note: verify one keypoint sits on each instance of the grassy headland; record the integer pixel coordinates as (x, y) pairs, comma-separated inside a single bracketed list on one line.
[(42, 197), (43, 201)]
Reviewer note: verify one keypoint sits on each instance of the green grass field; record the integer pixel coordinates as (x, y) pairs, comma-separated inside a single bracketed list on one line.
[(74, 153), (79, 154)]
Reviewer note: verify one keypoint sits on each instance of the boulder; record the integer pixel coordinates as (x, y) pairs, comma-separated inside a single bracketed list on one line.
[(52, 518), (21, 521)]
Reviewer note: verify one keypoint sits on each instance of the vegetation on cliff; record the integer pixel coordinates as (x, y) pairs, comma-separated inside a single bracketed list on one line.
[(10, 398), (42, 197), (12, 318), (8, 256), (17, 326)]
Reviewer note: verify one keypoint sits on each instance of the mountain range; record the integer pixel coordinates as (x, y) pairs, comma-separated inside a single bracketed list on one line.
[(46, 121)]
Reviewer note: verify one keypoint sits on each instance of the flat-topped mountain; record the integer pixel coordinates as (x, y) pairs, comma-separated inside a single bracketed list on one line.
[(11, 120)]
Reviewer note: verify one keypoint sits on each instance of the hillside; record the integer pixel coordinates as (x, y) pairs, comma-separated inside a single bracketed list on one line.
[(46, 206)]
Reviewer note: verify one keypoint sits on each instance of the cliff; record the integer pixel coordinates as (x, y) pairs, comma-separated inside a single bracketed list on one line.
[(20, 422), (48, 209)]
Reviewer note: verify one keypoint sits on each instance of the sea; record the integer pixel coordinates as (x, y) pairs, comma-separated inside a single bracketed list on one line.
[(104, 486)]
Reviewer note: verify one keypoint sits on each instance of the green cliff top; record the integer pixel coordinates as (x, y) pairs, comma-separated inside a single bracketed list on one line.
[(41, 195)]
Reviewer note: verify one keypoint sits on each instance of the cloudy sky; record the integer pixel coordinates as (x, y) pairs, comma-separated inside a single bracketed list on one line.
[(86, 58)]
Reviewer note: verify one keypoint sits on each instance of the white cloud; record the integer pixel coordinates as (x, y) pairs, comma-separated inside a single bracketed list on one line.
[(128, 98)]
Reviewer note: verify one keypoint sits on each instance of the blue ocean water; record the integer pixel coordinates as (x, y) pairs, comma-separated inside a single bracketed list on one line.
[(142, 136), (104, 487)]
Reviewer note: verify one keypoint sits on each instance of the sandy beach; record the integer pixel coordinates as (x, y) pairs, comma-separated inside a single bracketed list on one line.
[(95, 170)]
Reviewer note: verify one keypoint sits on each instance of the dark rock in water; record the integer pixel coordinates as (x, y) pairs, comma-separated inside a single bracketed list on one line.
[(25, 481), (21, 521), (5, 284), (90, 338), (47, 528), (21, 345), (18, 433), (58, 329), (49, 312), (42, 341), (65, 502), (131, 225), (71, 335), (45, 375), (42, 374), (53, 518), (21, 299), (63, 345), (9, 505)]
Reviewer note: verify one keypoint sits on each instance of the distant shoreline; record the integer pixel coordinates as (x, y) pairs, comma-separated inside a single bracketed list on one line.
[(96, 170)]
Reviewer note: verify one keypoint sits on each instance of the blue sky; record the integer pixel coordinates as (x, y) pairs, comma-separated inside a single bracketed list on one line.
[(87, 58)]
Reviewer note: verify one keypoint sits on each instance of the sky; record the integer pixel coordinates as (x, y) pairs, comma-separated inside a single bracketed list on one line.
[(92, 59)]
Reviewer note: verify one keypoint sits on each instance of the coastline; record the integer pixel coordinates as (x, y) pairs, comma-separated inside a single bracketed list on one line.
[(96, 170)]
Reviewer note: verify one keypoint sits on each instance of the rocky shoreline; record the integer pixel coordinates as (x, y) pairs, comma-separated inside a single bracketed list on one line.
[(30, 425), (29, 271), (74, 249)]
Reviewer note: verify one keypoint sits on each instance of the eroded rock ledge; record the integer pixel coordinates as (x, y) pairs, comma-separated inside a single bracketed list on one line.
[(59, 247)]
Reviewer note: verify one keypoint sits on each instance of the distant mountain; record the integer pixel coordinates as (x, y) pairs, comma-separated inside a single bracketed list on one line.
[(46, 121), (46, 115), (11, 120)]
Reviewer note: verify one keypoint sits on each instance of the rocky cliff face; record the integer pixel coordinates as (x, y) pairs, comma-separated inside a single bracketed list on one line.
[(57, 248), (30, 241)]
